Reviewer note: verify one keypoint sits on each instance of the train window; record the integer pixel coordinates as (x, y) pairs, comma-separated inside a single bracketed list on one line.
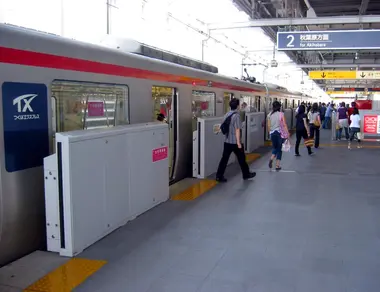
[(203, 105), (162, 102), (226, 101), (81, 105)]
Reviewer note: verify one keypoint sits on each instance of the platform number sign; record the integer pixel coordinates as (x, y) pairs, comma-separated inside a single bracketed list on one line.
[(290, 39), (26, 127)]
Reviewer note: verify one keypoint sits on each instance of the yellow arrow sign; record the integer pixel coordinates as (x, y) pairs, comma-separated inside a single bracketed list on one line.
[(332, 75)]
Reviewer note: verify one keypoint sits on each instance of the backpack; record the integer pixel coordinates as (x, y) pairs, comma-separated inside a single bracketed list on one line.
[(225, 126)]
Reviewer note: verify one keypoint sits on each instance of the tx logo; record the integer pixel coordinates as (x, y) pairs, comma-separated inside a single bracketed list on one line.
[(27, 98)]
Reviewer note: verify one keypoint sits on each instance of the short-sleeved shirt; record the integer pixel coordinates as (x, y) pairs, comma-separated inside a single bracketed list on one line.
[(329, 112), (313, 117), (234, 124), (342, 113), (299, 122), (355, 121), (275, 122)]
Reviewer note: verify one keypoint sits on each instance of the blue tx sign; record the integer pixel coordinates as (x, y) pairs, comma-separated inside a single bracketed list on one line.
[(328, 40)]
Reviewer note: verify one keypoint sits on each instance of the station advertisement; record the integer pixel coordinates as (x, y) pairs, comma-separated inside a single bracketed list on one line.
[(371, 124)]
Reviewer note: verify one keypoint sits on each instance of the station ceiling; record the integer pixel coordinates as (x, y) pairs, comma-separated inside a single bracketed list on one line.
[(344, 60)]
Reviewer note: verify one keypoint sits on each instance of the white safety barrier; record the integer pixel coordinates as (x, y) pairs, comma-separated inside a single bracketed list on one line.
[(288, 117), (208, 144), (253, 131), (334, 123), (100, 179), (370, 123)]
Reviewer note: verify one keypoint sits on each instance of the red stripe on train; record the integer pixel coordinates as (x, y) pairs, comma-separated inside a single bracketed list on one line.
[(28, 58)]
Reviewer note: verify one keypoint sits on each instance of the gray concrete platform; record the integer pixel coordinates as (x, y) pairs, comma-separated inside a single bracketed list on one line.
[(315, 226)]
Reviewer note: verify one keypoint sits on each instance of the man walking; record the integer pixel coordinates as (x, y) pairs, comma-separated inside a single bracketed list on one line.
[(232, 143)]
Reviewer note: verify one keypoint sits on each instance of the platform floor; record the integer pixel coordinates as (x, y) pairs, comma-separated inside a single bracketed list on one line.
[(312, 227)]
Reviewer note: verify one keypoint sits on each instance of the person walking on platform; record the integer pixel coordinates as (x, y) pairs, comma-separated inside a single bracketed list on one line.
[(328, 115), (278, 131), (314, 124), (354, 127), (302, 130), (231, 128), (343, 121)]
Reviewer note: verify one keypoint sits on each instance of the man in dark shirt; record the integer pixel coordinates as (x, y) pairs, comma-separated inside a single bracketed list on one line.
[(232, 143)]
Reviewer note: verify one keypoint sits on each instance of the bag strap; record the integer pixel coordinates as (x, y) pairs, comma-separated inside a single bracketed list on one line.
[(230, 116)]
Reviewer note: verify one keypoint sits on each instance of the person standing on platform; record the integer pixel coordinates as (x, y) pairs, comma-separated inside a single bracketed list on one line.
[(302, 130), (343, 121), (233, 143), (278, 132), (354, 127), (323, 112), (314, 124), (328, 115)]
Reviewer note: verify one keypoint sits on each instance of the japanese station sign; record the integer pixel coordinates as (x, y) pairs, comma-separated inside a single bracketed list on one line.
[(328, 40), (328, 75)]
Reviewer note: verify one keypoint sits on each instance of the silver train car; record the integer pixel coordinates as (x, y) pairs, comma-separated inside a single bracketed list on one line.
[(50, 84)]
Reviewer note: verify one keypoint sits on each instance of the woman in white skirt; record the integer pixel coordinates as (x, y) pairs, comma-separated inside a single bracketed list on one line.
[(354, 127)]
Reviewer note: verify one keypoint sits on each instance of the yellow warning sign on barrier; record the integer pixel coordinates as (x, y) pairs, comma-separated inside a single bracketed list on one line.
[(332, 74)]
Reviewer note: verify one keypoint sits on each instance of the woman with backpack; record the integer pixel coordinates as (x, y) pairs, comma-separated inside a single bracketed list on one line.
[(278, 131), (302, 130), (314, 124)]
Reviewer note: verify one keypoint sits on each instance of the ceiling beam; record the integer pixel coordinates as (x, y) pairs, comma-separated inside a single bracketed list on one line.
[(363, 7), (297, 21)]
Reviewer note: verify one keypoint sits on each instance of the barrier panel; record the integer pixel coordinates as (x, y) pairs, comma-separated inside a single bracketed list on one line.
[(294, 120), (208, 144), (288, 117), (334, 123), (253, 131), (370, 123), (100, 179)]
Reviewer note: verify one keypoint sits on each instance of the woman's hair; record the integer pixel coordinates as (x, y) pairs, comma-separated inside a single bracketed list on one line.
[(276, 107), (301, 110), (355, 111), (314, 107)]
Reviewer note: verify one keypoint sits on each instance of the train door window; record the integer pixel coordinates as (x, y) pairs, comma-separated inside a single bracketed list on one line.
[(258, 103), (164, 110), (226, 101), (286, 103), (203, 105), (293, 103), (81, 105)]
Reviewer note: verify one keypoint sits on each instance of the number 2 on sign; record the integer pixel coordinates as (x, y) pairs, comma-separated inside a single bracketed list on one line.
[(290, 43)]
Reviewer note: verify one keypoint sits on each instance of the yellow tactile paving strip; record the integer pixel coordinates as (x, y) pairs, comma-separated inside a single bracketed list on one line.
[(205, 185), (195, 190), (345, 144), (251, 157), (66, 277)]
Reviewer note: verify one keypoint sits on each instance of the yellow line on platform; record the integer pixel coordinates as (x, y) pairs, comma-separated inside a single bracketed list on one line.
[(204, 185), (66, 277), (345, 144)]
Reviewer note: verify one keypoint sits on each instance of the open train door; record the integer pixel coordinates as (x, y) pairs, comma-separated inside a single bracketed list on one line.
[(165, 109)]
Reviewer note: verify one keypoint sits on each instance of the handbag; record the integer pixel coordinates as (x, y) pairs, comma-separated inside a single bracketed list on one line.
[(309, 142), (284, 133), (286, 146), (360, 135)]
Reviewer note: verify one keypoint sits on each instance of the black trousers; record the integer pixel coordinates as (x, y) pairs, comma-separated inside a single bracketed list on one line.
[(314, 133), (299, 135), (240, 155)]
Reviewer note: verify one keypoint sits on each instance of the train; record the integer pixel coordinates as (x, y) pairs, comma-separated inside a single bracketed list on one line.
[(53, 84)]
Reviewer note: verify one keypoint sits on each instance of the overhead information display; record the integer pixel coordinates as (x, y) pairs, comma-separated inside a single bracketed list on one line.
[(366, 75), (332, 74), (328, 40)]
